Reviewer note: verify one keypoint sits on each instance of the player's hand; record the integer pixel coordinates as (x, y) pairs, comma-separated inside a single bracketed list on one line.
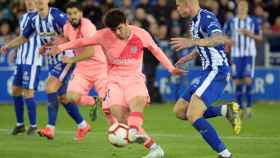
[(178, 71), (42, 50), (245, 32), (67, 60), (181, 43), (4, 50), (54, 50)]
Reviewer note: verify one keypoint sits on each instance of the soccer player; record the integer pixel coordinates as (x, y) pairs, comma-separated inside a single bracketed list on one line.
[(48, 23), (127, 94), (208, 39), (91, 71), (243, 31), (26, 76)]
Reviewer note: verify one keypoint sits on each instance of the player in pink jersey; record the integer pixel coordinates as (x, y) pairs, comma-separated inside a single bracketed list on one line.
[(127, 94)]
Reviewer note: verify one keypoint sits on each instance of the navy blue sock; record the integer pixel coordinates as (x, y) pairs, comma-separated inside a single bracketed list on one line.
[(213, 111), (74, 112), (52, 108), (209, 134), (31, 106), (19, 110), (239, 94), (249, 95)]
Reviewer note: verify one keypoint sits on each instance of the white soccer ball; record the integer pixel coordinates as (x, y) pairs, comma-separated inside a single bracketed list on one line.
[(118, 135)]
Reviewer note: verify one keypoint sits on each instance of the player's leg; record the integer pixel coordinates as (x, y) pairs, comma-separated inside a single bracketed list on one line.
[(30, 84), (237, 75), (181, 106), (52, 86), (137, 97), (248, 81), (78, 90), (200, 101), (17, 94), (74, 112)]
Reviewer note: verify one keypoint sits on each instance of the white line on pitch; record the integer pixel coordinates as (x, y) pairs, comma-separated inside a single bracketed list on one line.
[(68, 132)]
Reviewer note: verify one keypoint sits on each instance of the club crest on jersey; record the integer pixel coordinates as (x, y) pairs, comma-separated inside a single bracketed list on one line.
[(133, 49), (25, 76)]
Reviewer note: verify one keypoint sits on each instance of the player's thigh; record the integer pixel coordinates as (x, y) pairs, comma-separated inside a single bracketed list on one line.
[(28, 93), (237, 68), (196, 108), (77, 87), (180, 108), (136, 94), (100, 86), (114, 95), (120, 113), (17, 91), (53, 84)]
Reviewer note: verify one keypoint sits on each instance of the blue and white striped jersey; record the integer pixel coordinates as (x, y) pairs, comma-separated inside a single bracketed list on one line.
[(243, 45), (28, 53), (203, 26), (48, 28)]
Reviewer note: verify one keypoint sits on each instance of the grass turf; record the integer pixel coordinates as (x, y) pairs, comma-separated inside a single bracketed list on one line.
[(260, 137)]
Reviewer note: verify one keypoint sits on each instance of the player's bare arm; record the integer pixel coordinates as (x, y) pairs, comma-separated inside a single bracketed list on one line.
[(87, 53), (14, 43), (178, 44), (257, 37), (187, 58)]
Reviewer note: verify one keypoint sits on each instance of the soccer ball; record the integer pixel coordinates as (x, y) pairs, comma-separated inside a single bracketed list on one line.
[(118, 135)]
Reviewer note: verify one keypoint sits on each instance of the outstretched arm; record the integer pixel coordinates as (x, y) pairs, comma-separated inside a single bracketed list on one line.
[(86, 54), (187, 58), (15, 43), (82, 42)]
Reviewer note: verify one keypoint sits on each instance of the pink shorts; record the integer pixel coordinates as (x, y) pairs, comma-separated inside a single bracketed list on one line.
[(122, 89), (83, 84)]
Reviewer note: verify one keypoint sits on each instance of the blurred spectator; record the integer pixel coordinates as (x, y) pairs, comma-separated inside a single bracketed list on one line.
[(93, 12), (273, 10), (128, 9), (161, 10), (107, 5), (276, 26), (140, 16), (145, 5), (6, 33)]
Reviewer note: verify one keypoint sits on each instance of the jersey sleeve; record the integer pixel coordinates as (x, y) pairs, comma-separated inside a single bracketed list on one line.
[(150, 44), (82, 42), (88, 29), (228, 28), (210, 24), (257, 27), (28, 28), (60, 18)]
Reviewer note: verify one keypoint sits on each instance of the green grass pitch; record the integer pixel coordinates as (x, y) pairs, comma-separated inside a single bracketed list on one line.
[(260, 137)]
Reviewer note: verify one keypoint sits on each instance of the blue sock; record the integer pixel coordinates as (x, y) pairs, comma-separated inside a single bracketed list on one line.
[(31, 106), (239, 94), (213, 111), (74, 112), (52, 108), (19, 110), (209, 134), (249, 95)]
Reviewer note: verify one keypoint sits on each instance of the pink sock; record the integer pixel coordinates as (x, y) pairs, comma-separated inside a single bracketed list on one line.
[(149, 143), (135, 120), (110, 118), (86, 100)]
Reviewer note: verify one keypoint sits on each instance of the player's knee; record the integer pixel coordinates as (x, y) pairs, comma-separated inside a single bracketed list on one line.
[(73, 97), (16, 91), (248, 81), (28, 93), (63, 100), (180, 109)]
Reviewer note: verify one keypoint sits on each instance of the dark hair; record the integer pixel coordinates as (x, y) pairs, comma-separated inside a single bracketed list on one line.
[(113, 18), (74, 5)]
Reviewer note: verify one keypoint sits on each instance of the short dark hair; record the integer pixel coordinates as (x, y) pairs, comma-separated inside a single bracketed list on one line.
[(74, 5), (113, 18)]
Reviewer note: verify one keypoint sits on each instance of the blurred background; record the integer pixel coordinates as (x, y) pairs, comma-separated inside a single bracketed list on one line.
[(162, 20)]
